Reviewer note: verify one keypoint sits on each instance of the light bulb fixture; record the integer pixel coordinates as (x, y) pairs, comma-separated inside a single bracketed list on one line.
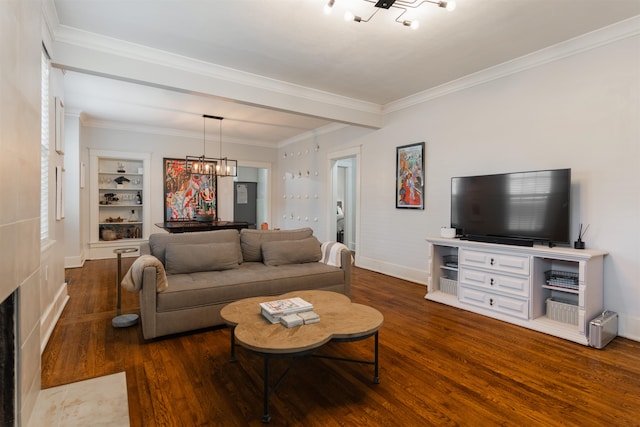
[(329, 6), (449, 5), (225, 166), (414, 25), (203, 165), (404, 5)]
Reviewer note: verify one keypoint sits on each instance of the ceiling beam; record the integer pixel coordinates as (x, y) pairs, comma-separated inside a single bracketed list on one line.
[(98, 55)]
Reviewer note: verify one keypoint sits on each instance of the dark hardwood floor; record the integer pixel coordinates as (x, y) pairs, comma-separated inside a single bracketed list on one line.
[(438, 366)]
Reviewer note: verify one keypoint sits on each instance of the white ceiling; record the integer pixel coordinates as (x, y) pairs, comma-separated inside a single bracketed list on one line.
[(293, 41)]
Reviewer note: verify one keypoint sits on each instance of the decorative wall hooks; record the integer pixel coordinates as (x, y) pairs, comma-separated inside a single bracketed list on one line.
[(299, 195)]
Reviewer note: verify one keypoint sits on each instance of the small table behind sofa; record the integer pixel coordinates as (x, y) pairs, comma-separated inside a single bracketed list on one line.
[(194, 226)]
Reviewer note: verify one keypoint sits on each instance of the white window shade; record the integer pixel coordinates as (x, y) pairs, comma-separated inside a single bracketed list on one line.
[(44, 152)]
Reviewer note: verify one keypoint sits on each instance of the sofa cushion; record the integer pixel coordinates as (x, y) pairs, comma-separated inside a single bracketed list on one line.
[(251, 240), (251, 279), (158, 242), (191, 258), (291, 251)]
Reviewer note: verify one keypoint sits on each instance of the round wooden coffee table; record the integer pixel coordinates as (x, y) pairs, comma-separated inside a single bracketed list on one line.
[(340, 321)]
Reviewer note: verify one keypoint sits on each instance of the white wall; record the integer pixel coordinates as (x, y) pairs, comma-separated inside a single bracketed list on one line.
[(53, 286), (263, 197), (581, 112), (73, 217), (305, 200)]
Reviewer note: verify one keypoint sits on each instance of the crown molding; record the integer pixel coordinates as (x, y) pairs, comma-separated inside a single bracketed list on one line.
[(72, 112), (612, 33), (154, 130), (93, 41), (48, 24)]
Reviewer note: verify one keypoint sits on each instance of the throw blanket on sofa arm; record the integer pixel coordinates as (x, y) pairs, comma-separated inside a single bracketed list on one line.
[(331, 253), (132, 281)]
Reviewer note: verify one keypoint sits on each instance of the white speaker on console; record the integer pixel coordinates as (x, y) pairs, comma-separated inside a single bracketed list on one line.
[(447, 232)]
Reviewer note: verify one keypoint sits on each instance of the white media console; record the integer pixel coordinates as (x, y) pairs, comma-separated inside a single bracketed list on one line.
[(552, 290)]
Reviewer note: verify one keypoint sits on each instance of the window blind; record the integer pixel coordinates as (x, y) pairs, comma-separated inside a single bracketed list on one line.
[(44, 152)]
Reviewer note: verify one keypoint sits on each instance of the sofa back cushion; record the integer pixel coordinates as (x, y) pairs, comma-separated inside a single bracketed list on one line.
[(158, 242), (251, 240), (291, 251), (191, 258)]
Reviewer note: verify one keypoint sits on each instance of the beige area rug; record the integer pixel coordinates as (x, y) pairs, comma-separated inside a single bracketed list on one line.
[(99, 401)]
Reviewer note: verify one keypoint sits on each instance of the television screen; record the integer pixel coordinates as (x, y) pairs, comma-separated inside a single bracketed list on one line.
[(524, 205)]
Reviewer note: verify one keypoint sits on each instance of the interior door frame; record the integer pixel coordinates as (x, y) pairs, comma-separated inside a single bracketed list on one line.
[(268, 189), (332, 158)]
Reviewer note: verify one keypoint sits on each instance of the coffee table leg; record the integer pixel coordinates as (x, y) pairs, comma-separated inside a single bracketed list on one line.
[(376, 378), (266, 417)]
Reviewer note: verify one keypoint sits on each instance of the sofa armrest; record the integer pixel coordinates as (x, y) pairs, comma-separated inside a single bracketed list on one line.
[(346, 260), (148, 302)]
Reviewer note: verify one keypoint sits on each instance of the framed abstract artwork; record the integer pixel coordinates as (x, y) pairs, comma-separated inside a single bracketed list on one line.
[(188, 196), (410, 176)]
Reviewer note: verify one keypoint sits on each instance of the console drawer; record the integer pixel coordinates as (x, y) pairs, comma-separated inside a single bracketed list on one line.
[(518, 264), (503, 304), (513, 285)]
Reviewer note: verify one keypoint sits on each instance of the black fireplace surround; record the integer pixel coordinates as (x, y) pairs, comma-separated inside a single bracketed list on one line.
[(7, 361)]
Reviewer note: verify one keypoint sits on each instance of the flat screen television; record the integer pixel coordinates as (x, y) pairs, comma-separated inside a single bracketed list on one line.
[(520, 208)]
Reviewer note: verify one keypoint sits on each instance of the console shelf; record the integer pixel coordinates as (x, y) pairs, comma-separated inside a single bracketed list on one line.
[(559, 289), (509, 283)]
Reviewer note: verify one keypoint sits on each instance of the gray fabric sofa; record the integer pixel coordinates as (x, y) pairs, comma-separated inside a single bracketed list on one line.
[(207, 270)]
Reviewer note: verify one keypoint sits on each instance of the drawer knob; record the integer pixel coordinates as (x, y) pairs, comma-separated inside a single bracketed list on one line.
[(491, 301), (492, 261), (491, 281)]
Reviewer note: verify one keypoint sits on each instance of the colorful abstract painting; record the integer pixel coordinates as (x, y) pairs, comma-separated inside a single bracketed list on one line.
[(410, 176), (187, 195)]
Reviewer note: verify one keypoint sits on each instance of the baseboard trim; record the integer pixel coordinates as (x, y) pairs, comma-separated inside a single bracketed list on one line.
[(52, 314), (74, 261), (629, 327), (395, 270)]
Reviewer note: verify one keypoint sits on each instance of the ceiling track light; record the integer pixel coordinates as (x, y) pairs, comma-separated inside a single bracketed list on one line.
[(404, 5)]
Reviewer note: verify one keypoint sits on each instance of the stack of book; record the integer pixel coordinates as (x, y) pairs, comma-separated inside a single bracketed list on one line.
[(309, 317), (291, 320), (290, 312), (297, 319)]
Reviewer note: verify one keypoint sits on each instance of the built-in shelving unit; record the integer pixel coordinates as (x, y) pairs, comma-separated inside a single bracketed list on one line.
[(552, 290), (120, 214)]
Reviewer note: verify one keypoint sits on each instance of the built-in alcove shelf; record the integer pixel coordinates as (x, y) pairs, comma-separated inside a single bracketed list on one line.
[(119, 213)]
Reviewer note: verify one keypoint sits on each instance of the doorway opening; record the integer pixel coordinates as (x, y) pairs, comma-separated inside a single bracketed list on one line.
[(345, 200), (250, 196)]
